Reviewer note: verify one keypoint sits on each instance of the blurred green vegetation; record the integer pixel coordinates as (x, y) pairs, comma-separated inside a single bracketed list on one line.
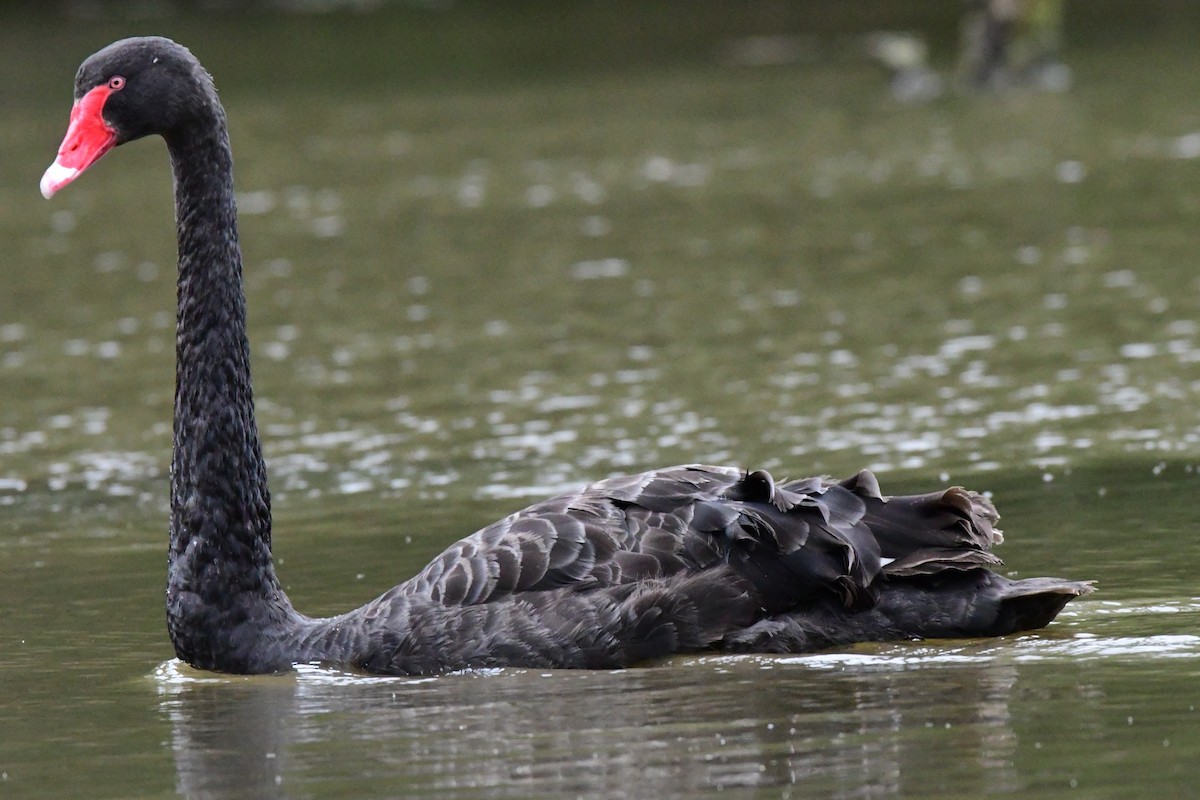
[(417, 47)]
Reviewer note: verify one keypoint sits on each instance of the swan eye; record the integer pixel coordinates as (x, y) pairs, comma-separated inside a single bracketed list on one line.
[(116, 83)]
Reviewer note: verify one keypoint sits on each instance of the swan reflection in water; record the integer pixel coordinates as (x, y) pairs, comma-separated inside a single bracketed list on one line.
[(797, 725)]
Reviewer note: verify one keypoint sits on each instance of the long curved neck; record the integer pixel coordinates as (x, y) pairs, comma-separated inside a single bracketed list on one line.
[(222, 593)]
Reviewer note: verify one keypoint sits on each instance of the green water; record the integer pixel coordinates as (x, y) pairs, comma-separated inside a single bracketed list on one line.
[(497, 251)]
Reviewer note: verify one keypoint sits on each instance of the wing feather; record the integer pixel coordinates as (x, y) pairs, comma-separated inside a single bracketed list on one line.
[(793, 541)]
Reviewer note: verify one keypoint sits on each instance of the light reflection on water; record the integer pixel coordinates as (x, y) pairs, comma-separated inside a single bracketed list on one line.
[(617, 424)]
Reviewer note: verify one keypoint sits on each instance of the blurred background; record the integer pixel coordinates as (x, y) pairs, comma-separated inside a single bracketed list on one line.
[(824, 233), (498, 249)]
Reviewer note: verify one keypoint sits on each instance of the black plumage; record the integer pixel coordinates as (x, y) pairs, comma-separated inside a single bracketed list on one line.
[(686, 559)]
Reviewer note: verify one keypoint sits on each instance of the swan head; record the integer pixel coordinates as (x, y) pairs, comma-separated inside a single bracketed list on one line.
[(130, 89)]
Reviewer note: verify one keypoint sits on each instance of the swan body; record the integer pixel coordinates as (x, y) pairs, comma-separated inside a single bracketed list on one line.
[(686, 559)]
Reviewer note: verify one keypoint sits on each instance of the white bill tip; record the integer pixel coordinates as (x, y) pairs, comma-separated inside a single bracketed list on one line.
[(56, 177)]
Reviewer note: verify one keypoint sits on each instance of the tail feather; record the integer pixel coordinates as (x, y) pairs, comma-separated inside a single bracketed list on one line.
[(961, 605), (1033, 603), (978, 602)]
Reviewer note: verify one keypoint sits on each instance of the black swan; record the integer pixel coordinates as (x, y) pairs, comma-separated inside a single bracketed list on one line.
[(680, 560)]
